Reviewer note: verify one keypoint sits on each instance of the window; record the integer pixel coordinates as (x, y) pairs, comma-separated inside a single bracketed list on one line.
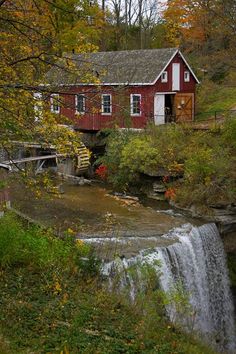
[(135, 103), (164, 76), (80, 104), (38, 106), (106, 104), (186, 76), (54, 100)]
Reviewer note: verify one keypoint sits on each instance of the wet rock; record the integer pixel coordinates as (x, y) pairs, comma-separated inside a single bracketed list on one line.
[(159, 188), (226, 223), (75, 180), (156, 196), (125, 199)]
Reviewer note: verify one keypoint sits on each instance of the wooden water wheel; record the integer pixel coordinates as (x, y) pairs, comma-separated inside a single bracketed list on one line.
[(82, 160)]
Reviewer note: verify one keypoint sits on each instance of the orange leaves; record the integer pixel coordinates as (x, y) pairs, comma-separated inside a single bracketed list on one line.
[(170, 193), (185, 20)]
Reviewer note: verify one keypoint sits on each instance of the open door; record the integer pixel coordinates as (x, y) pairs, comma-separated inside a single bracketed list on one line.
[(159, 109)]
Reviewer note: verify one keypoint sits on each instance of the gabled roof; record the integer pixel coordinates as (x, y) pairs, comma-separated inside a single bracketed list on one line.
[(128, 67)]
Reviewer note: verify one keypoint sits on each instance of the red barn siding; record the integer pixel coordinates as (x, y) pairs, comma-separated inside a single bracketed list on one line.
[(184, 86), (93, 119)]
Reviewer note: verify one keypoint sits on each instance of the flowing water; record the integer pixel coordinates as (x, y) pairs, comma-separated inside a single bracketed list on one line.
[(191, 256), (197, 262), (92, 212)]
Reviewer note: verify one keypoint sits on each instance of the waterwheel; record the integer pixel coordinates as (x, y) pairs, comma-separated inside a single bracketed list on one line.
[(82, 160)]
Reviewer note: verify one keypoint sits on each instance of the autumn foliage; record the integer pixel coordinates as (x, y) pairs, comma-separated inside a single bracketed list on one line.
[(170, 193), (102, 172)]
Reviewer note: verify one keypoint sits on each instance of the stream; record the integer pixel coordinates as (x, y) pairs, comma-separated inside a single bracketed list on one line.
[(126, 231)]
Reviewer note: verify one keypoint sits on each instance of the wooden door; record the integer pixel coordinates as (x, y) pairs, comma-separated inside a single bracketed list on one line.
[(184, 107)]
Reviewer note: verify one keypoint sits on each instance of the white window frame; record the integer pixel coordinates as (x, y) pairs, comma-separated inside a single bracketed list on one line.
[(102, 105), (164, 76), (55, 95), (186, 76), (76, 103), (38, 106), (132, 104)]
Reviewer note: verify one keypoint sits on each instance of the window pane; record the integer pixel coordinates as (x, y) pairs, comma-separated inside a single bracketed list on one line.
[(80, 104), (164, 76), (186, 76), (136, 104), (106, 104)]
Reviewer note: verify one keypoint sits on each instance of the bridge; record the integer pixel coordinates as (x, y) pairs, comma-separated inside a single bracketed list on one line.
[(80, 161), (40, 160)]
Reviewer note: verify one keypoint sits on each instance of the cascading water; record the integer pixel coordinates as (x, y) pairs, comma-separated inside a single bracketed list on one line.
[(197, 262)]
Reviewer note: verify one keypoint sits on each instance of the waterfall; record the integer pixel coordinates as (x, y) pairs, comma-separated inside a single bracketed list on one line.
[(197, 262)]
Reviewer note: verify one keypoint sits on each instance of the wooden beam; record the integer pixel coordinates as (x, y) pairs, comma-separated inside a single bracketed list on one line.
[(30, 159)]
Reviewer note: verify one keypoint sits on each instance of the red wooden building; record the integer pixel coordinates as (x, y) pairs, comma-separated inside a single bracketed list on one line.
[(124, 89)]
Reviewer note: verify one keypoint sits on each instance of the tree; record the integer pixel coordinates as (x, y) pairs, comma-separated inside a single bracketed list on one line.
[(131, 23), (205, 28), (33, 35)]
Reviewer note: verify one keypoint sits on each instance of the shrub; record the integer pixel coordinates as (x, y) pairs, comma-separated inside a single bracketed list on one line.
[(128, 153), (206, 160), (229, 132), (40, 249)]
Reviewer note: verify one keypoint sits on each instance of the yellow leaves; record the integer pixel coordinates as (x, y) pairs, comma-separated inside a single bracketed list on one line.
[(38, 193), (57, 287), (79, 243), (70, 231)]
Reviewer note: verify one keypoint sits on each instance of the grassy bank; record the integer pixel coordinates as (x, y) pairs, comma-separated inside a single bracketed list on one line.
[(53, 301), (214, 97)]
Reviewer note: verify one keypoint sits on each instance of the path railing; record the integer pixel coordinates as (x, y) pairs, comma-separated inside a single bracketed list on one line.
[(203, 120)]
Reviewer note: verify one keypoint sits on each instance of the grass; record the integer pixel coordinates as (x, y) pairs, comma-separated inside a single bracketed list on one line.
[(52, 307), (213, 98)]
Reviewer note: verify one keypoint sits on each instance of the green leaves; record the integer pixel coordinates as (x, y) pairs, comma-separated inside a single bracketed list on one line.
[(205, 160)]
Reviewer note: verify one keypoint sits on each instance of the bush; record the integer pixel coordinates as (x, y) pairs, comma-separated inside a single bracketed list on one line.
[(206, 160), (128, 153), (40, 249), (229, 132)]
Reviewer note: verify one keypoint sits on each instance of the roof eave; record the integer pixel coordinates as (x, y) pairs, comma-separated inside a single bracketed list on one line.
[(159, 75), (185, 61), (195, 77)]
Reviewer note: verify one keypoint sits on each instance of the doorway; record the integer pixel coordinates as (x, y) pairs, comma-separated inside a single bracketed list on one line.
[(164, 108)]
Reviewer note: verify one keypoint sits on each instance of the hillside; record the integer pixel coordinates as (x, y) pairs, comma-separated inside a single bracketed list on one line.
[(53, 301)]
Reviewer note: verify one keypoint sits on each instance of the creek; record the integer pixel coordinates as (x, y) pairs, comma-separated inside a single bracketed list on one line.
[(124, 232)]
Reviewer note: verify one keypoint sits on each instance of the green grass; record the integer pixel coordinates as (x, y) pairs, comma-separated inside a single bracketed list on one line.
[(48, 308), (213, 98)]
